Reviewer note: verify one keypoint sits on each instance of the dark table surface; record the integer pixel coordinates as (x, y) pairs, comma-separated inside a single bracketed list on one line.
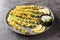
[(52, 34)]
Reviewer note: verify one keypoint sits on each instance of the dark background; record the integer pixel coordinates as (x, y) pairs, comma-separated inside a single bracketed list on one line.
[(52, 34)]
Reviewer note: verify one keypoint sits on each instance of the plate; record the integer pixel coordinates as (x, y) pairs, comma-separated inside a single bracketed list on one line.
[(31, 33)]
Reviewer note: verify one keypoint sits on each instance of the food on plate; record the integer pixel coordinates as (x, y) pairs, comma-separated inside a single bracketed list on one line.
[(28, 16), (46, 18), (38, 29)]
